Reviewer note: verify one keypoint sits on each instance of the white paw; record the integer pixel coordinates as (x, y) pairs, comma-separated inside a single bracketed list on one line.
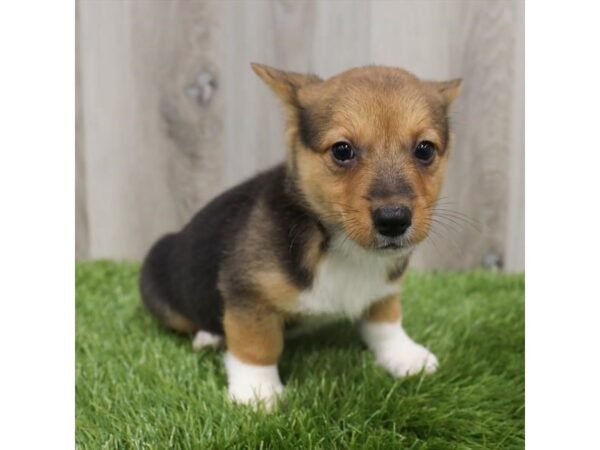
[(261, 395), (257, 386), (204, 339), (395, 351), (407, 359)]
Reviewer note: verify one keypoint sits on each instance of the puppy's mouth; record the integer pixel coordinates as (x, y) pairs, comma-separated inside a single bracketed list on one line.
[(391, 246), (385, 243)]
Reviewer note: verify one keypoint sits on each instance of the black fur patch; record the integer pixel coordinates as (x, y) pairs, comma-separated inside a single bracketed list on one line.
[(296, 227), (312, 123), (439, 114), (307, 130), (183, 269)]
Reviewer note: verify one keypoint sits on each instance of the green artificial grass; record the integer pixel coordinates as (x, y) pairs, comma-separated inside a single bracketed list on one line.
[(141, 386)]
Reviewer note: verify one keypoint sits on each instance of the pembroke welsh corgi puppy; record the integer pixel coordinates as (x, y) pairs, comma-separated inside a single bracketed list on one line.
[(326, 235)]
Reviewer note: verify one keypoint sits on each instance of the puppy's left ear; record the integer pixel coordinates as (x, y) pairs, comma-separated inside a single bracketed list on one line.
[(285, 84), (449, 89)]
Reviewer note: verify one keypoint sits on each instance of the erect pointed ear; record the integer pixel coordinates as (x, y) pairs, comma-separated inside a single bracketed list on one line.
[(449, 89), (284, 84)]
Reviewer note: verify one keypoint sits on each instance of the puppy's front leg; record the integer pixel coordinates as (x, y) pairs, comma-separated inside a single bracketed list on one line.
[(382, 331), (254, 339)]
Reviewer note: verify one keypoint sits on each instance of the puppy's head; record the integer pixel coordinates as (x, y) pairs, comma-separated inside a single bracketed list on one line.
[(368, 149)]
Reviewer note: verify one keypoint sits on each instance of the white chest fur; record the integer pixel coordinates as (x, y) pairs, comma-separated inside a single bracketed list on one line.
[(348, 280)]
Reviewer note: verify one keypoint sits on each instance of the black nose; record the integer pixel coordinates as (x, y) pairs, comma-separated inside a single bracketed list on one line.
[(392, 221)]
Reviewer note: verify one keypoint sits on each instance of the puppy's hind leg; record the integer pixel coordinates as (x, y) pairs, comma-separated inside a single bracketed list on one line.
[(204, 339)]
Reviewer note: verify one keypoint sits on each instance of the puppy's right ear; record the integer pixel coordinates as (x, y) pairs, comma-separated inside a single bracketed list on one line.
[(285, 84)]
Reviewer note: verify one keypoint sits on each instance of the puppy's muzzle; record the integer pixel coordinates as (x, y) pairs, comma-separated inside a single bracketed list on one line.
[(392, 221)]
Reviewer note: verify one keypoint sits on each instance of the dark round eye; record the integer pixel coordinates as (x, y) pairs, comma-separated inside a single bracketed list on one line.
[(342, 152), (425, 152)]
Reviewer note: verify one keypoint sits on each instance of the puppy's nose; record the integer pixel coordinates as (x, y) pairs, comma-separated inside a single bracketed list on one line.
[(392, 221)]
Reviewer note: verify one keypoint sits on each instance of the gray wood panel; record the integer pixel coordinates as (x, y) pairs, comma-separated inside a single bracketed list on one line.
[(514, 245), (171, 113), (149, 141), (82, 245)]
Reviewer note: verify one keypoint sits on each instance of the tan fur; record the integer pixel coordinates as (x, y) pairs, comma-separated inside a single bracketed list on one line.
[(174, 320), (276, 289), (314, 252), (385, 310), (181, 324), (254, 335), (384, 112)]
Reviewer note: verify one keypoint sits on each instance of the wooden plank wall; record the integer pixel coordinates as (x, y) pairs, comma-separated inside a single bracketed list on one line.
[(170, 114)]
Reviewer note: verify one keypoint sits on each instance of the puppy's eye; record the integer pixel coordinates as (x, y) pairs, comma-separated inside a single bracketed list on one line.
[(425, 152), (343, 152)]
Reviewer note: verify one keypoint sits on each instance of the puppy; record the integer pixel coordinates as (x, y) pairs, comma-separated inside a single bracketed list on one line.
[(326, 235)]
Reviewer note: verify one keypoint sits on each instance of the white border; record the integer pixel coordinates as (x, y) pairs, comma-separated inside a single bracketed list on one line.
[(562, 229), (37, 231), (562, 224)]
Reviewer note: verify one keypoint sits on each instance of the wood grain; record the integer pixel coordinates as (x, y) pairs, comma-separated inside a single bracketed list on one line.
[(151, 150), (170, 113)]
